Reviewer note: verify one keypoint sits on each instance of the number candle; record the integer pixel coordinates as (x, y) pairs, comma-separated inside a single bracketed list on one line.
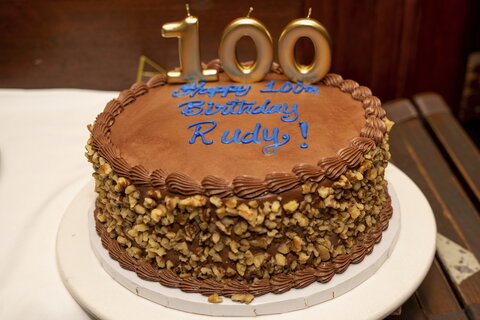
[(189, 52), (317, 33), (238, 28)]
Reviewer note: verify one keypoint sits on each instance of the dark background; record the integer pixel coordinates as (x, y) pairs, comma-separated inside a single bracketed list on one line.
[(397, 48)]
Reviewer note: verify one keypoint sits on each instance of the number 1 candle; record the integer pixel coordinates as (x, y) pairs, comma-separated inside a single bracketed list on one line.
[(189, 51)]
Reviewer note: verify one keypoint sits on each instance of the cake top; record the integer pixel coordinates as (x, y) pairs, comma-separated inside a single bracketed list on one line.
[(224, 138)]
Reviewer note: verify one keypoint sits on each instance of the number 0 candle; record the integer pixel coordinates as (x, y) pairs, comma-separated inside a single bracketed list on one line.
[(317, 33), (189, 52), (254, 29)]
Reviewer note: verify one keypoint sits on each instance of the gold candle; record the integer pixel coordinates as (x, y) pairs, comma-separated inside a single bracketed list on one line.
[(238, 28), (317, 33), (189, 51)]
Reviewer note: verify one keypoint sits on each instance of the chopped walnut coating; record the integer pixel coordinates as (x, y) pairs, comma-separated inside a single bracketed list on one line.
[(238, 239)]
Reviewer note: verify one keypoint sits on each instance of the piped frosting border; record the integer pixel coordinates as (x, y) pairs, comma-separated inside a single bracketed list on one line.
[(244, 187)]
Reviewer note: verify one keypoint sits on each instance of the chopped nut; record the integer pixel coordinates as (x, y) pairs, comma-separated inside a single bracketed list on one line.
[(221, 212), (275, 206), (261, 242), (158, 213), (134, 252), (216, 201), (369, 221), (307, 187), (303, 257), (270, 224), (231, 203), (159, 251), (253, 204), (361, 227), (234, 246), (132, 202), (357, 185), (297, 243), (140, 227), (222, 227), (104, 170), (358, 176), (214, 298), (248, 214), (240, 228), (171, 202), (294, 265), (280, 259), (291, 206), (219, 246), (248, 258), (155, 194), (241, 268), (324, 191), (195, 201), (227, 222), (139, 209), (149, 203), (283, 248), (121, 184), (122, 240), (301, 219), (230, 272), (354, 212), (323, 252), (258, 260), (372, 174), (129, 189), (244, 298), (216, 237)]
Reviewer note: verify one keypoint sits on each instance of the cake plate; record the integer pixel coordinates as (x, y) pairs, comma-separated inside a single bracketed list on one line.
[(361, 292)]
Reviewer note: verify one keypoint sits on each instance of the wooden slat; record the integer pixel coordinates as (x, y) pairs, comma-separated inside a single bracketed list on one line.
[(473, 311), (437, 298), (457, 143), (414, 152), (411, 310)]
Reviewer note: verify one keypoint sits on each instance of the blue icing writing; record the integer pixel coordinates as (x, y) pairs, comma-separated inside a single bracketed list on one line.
[(193, 89), (287, 86), (274, 138), (257, 135), (254, 136), (237, 107), (201, 133), (271, 138)]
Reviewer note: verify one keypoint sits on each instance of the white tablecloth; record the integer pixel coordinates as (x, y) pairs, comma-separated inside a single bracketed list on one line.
[(42, 167)]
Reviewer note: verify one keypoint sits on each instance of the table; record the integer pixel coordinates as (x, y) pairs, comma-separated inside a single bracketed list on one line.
[(42, 168), (430, 146)]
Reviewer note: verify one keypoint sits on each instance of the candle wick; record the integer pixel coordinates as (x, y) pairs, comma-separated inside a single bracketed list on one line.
[(309, 12), (249, 11), (187, 6)]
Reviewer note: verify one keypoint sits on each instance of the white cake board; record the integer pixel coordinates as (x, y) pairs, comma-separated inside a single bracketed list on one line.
[(294, 299), (376, 297)]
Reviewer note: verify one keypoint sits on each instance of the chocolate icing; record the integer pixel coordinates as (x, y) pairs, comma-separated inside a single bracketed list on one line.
[(276, 284), (215, 186), (121, 134)]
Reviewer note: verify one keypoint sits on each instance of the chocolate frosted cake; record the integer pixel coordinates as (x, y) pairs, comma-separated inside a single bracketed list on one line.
[(237, 189)]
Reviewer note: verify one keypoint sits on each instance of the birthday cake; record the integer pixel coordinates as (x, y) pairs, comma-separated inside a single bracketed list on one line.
[(240, 190)]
